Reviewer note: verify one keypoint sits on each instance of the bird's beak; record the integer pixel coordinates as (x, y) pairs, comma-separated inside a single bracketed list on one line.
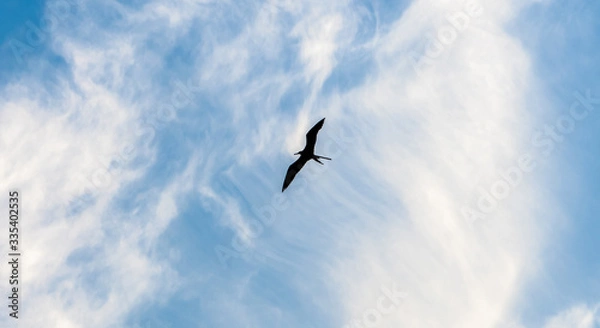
[(298, 153)]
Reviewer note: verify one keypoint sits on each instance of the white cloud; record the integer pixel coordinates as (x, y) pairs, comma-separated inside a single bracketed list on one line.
[(318, 44), (578, 316), (423, 156), (85, 263)]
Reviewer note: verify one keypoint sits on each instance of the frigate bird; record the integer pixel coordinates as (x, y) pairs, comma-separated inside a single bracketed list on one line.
[(306, 154)]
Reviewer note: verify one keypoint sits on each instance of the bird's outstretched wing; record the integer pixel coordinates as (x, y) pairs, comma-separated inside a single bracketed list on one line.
[(292, 171), (311, 136)]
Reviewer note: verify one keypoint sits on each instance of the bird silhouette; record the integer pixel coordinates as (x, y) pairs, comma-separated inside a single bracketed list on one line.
[(306, 154)]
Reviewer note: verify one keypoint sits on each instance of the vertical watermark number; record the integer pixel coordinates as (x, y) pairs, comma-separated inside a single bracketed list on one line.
[(13, 253)]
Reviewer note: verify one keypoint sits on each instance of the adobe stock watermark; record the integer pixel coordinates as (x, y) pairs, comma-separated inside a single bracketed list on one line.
[(36, 35), (445, 36), (182, 96), (267, 215), (388, 302), (544, 143)]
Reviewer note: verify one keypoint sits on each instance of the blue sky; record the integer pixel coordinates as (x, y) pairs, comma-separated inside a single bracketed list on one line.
[(149, 140)]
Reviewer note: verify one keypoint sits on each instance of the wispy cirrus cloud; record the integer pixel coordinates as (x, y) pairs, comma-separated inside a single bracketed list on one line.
[(579, 316)]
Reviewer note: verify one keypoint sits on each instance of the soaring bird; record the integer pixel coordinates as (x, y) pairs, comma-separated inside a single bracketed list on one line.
[(306, 154)]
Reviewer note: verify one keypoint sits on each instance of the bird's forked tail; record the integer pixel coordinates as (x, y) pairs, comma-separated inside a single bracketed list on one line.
[(317, 157)]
